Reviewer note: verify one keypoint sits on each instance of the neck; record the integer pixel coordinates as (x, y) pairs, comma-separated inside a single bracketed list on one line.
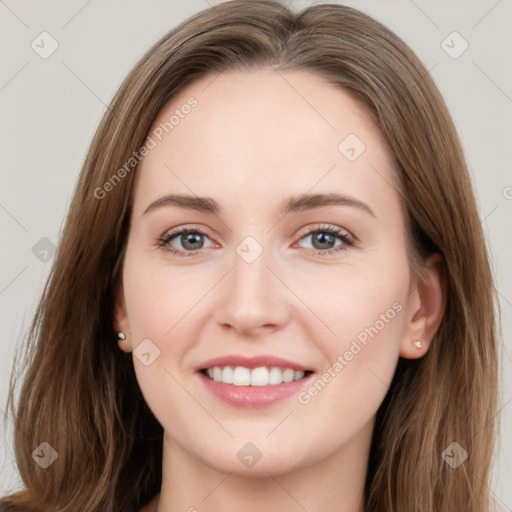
[(332, 484)]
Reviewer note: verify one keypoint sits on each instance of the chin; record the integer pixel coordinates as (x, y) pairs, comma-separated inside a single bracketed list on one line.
[(256, 458), (267, 465)]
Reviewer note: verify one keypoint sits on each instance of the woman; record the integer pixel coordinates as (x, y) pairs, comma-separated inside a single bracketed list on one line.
[(276, 222)]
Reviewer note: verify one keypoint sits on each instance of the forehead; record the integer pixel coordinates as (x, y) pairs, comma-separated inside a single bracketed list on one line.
[(266, 132)]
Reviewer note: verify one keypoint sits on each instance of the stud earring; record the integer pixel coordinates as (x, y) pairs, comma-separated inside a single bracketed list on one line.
[(418, 344), (121, 336)]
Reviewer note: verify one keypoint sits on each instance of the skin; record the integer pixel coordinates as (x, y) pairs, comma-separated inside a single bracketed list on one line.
[(254, 139)]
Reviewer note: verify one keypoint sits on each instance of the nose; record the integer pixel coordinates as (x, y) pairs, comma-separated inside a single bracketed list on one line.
[(254, 300)]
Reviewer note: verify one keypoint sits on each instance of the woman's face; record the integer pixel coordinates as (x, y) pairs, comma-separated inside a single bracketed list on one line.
[(322, 285)]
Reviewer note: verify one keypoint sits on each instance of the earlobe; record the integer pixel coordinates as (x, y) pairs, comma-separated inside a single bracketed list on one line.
[(425, 309), (123, 342), (121, 324)]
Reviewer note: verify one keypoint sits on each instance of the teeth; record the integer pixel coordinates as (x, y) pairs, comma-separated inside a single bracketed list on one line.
[(241, 376), (262, 376), (259, 377), (288, 375), (227, 375), (299, 375), (275, 376)]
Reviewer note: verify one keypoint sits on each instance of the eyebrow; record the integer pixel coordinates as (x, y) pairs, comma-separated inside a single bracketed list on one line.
[(292, 204)]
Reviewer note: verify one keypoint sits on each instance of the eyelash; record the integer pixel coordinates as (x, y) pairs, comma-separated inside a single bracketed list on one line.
[(164, 240)]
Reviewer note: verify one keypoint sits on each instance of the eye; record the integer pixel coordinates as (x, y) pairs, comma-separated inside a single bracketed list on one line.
[(324, 238), (189, 241)]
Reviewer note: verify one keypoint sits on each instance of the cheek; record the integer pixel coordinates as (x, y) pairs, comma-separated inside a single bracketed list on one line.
[(371, 309), (368, 319), (159, 296), (360, 302), (157, 301), (162, 306)]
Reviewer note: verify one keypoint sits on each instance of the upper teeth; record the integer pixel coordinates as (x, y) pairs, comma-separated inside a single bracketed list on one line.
[(262, 376)]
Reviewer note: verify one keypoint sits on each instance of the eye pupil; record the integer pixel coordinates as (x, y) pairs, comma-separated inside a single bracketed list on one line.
[(191, 238), (323, 238)]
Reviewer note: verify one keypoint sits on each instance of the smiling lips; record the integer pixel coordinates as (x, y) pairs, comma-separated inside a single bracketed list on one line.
[(261, 376), (253, 382)]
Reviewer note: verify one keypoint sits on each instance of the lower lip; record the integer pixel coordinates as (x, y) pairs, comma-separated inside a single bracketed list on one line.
[(253, 396)]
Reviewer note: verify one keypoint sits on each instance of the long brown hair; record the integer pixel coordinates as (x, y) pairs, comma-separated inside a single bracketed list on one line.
[(79, 391)]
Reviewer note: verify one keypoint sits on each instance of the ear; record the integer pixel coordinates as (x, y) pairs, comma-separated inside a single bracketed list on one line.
[(425, 308), (121, 323)]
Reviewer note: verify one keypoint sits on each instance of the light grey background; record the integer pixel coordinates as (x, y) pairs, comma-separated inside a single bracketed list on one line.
[(50, 109)]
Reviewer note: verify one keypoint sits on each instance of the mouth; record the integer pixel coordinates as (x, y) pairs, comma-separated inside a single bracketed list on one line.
[(253, 381), (261, 376)]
